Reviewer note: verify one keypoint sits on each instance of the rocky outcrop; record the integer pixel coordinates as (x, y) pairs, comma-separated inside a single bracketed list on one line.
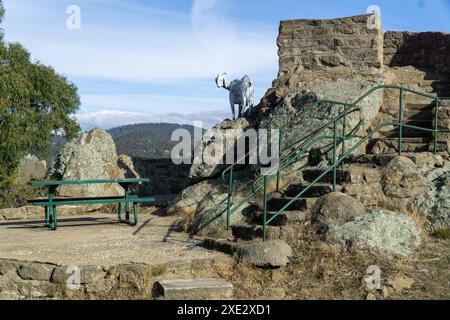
[(204, 205), (327, 44), (270, 254), (423, 50), (210, 153), (333, 210), (402, 179), (31, 168), (89, 157), (385, 231), (434, 204)]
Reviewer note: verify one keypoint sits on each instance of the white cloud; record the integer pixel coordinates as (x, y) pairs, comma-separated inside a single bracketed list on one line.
[(154, 104), (152, 51), (107, 119)]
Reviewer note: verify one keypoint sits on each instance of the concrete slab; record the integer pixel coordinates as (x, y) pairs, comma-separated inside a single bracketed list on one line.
[(195, 289), (97, 239)]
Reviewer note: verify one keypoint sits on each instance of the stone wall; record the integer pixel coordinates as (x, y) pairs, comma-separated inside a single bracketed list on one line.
[(444, 121), (326, 50), (322, 44), (422, 50), (166, 178), (36, 280)]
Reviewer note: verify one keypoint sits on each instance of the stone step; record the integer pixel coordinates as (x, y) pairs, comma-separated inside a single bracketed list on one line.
[(315, 191), (312, 174), (253, 232), (285, 218), (383, 159), (194, 289), (409, 133), (417, 114), (278, 202), (412, 145), (419, 106)]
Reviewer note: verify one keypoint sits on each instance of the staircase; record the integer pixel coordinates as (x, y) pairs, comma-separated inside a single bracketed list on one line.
[(292, 206), (414, 140), (296, 213)]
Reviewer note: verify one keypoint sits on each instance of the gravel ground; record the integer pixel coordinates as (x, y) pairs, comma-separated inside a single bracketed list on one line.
[(98, 239)]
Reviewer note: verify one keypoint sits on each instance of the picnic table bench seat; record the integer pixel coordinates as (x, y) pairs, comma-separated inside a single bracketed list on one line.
[(51, 203)]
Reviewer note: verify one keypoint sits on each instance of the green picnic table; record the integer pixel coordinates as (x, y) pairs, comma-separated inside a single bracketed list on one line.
[(51, 203)]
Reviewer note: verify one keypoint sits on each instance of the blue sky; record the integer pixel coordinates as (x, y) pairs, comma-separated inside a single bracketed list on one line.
[(155, 60)]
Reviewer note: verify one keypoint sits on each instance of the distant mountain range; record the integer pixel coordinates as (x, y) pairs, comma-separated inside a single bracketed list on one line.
[(148, 140)]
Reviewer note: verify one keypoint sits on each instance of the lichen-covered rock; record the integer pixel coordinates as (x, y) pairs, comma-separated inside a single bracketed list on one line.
[(214, 142), (19, 213), (272, 254), (126, 164), (335, 209), (92, 156), (402, 179), (386, 231), (187, 202), (427, 161), (434, 204), (31, 168)]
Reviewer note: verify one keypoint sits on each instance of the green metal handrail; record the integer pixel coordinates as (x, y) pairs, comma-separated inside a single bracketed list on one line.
[(333, 167), (282, 131), (301, 150), (231, 168)]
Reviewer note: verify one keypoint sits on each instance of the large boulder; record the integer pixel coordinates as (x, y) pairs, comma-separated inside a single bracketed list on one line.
[(335, 209), (385, 231), (31, 168), (270, 254), (434, 204), (89, 157), (214, 142), (402, 179)]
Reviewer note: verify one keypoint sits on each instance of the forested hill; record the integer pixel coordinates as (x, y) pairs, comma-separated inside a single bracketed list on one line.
[(148, 140)]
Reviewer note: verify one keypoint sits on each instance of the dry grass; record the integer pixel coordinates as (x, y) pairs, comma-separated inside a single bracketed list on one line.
[(323, 271)]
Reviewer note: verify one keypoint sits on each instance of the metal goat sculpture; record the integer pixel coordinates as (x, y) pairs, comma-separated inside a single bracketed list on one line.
[(241, 93)]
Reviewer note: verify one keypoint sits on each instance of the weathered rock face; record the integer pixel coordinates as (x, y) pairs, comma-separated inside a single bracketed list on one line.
[(444, 121), (326, 49), (273, 254), (388, 232), (335, 209), (209, 153), (425, 50), (31, 168), (402, 179), (91, 156), (326, 44), (206, 204), (434, 205)]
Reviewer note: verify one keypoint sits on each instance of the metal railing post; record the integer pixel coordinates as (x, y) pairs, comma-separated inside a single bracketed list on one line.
[(230, 198), (436, 127), (280, 148), (400, 138), (265, 210), (344, 129), (334, 155)]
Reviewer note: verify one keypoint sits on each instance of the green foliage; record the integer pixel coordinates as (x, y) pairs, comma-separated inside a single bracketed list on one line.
[(35, 103), (148, 140), (14, 194)]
